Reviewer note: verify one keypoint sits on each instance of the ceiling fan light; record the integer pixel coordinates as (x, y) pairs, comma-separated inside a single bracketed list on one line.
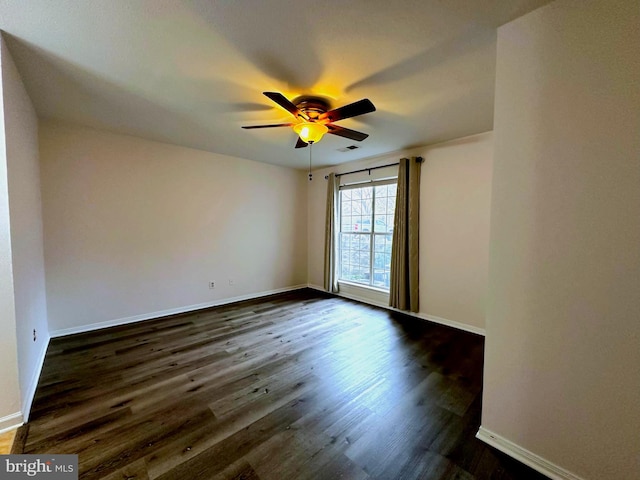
[(310, 132)]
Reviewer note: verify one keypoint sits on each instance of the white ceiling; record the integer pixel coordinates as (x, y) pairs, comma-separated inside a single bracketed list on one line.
[(191, 72)]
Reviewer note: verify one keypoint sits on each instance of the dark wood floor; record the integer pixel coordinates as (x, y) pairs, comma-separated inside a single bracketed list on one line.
[(295, 386)]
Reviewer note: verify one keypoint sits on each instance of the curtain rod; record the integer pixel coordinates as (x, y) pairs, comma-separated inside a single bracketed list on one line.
[(326, 177)]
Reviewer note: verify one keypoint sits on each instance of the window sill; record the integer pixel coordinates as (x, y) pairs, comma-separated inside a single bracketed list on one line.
[(363, 286), (364, 293)]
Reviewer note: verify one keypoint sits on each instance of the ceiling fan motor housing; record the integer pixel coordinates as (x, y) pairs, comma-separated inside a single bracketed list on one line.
[(312, 106)]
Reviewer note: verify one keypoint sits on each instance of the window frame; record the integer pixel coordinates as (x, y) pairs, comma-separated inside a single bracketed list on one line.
[(371, 234)]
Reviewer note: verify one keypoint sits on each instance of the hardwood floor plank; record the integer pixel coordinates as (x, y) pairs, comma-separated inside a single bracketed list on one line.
[(235, 446), (240, 419), (110, 452), (19, 439), (239, 470), (133, 471), (299, 385), (75, 437)]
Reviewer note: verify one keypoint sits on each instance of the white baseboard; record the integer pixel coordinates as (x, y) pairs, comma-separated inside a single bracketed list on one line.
[(423, 316), (367, 300), (11, 422), (523, 455), (449, 323), (316, 287), (33, 384), (172, 311)]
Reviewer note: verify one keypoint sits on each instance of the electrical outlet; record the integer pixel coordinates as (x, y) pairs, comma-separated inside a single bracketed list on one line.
[(34, 335), (212, 285)]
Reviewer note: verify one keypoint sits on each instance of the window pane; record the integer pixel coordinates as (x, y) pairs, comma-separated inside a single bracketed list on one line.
[(380, 224), (354, 257), (391, 205), (344, 222), (366, 224), (345, 241), (382, 260), (384, 205)]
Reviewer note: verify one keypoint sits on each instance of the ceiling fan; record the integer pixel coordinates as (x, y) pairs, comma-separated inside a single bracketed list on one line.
[(315, 119)]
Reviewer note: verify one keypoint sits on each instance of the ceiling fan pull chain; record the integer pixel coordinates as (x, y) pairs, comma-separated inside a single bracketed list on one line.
[(310, 150)]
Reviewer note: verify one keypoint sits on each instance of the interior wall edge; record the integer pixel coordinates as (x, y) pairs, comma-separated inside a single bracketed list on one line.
[(173, 311), (30, 394), (523, 455)]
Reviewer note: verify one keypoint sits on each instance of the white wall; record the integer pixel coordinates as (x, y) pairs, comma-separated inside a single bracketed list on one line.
[(10, 413), (454, 227), (25, 218), (562, 364), (135, 228)]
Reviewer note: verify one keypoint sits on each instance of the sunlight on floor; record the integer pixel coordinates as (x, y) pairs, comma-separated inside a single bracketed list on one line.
[(6, 441)]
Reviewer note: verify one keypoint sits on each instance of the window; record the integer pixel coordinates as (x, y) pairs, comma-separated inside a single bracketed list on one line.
[(366, 229)]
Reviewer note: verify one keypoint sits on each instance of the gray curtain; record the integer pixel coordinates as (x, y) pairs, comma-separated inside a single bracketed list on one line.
[(331, 235), (403, 292)]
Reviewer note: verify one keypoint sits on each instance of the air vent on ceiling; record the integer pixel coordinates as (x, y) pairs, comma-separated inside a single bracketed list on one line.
[(346, 149)]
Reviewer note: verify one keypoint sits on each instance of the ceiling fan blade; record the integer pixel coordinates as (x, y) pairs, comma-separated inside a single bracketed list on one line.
[(301, 143), (248, 127), (285, 103), (352, 110), (347, 133)]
